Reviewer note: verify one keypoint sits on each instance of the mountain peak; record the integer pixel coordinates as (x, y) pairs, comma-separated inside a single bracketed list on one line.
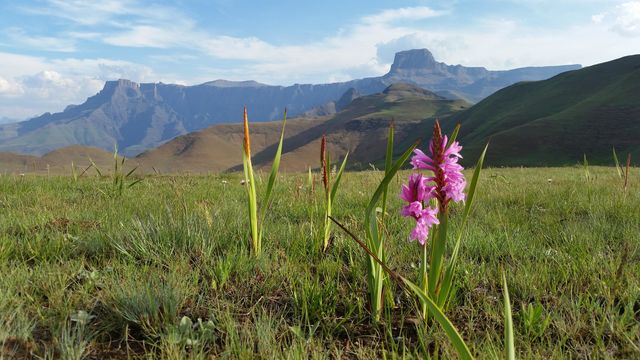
[(413, 59), (121, 83)]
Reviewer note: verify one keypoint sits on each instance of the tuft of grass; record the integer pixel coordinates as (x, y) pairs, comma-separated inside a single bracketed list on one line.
[(330, 186)]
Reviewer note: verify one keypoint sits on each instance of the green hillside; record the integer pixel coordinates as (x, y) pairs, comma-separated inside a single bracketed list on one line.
[(556, 121)]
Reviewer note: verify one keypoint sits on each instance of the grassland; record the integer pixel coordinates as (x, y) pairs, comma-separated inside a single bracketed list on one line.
[(88, 273)]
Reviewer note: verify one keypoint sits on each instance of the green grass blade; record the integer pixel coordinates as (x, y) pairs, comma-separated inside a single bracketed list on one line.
[(448, 276), (134, 183), (85, 170), (454, 135), (131, 172), (615, 159), (435, 262), (336, 182), (510, 349), (585, 164), (448, 327), (251, 200), (274, 173), (95, 167), (388, 162)]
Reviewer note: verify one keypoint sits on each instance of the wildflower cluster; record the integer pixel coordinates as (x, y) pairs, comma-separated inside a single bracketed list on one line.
[(446, 184)]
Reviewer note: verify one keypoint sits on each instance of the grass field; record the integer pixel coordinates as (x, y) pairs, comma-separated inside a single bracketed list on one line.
[(89, 273)]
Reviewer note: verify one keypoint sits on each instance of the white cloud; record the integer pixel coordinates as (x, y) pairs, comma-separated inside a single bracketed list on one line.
[(627, 19), (44, 85), (81, 11), (623, 19), (22, 39), (406, 13), (9, 88)]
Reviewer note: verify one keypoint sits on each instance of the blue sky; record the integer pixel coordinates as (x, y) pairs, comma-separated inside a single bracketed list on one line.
[(55, 52)]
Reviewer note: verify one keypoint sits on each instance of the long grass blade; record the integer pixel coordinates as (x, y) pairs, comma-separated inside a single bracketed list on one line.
[(95, 167), (454, 135), (336, 182), (626, 173), (617, 163), (585, 165), (448, 327), (437, 254), (131, 172), (510, 349), (274, 173), (251, 188), (388, 163), (85, 170), (134, 182)]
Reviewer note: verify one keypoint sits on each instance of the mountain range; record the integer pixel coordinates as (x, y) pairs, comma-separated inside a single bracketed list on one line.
[(138, 117), (551, 122)]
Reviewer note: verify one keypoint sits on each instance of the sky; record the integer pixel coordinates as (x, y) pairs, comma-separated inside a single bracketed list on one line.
[(55, 52)]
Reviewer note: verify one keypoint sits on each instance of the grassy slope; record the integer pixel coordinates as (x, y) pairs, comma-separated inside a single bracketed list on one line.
[(558, 120), (176, 246)]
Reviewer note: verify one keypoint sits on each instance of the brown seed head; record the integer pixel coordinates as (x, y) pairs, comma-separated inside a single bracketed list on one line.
[(247, 141), (438, 154), (323, 162)]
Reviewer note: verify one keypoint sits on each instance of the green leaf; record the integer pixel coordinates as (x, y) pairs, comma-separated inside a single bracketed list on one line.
[(510, 349), (388, 162), (448, 276), (252, 203), (453, 334), (438, 246), (274, 174), (454, 135), (336, 182)]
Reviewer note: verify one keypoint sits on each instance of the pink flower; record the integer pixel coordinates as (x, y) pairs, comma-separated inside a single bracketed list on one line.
[(417, 189), (425, 218), (443, 162), (446, 184)]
